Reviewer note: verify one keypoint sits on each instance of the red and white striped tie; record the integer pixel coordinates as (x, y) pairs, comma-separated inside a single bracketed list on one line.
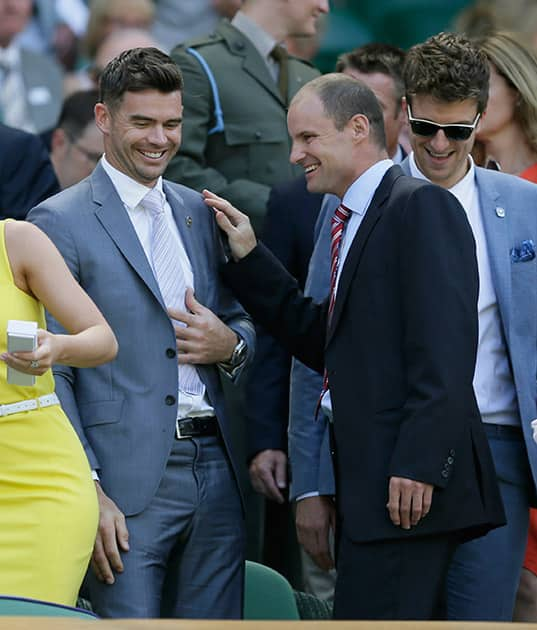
[(339, 220)]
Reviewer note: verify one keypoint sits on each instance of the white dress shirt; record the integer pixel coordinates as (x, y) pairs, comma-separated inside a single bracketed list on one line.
[(493, 381), (131, 194)]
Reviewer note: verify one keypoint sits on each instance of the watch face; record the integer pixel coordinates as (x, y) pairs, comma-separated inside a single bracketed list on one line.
[(238, 353)]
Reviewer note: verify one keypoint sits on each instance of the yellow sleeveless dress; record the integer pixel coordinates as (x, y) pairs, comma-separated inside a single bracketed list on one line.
[(48, 503)]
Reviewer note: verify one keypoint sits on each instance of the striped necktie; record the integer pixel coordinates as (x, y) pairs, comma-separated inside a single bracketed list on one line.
[(170, 277), (339, 220)]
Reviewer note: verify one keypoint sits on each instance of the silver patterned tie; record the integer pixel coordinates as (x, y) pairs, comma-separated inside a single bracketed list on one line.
[(170, 277)]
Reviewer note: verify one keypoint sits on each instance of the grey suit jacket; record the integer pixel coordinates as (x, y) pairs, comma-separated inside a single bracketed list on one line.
[(125, 411), (509, 213), (43, 81)]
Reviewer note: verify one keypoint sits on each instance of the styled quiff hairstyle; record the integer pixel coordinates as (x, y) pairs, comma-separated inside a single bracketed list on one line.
[(136, 70), (516, 62), (377, 57), (449, 68), (343, 97)]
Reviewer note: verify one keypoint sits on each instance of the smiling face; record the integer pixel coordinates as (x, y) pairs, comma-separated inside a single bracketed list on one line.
[(443, 161), (142, 134), (323, 151)]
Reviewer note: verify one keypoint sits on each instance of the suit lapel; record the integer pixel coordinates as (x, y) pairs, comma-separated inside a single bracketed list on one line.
[(252, 62), (497, 226), (372, 215), (111, 213)]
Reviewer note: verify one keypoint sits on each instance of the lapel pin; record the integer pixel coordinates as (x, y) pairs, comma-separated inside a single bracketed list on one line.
[(188, 221), (500, 212)]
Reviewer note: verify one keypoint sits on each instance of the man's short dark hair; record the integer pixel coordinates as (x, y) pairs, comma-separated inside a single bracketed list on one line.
[(136, 70), (449, 68), (343, 97), (78, 112), (377, 57)]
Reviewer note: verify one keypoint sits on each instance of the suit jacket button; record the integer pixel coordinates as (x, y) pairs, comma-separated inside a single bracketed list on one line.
[(452, 452), (445, 474), (450, 460), (170, 353), (170, 400)]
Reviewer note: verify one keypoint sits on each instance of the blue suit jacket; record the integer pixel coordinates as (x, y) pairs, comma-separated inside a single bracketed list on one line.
[(509, 213), (125, 411)]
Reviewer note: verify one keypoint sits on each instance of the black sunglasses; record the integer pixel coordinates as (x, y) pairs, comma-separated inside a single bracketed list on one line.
[(429, 129)]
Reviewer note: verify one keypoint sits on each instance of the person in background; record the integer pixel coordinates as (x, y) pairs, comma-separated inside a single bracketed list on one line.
[(447, 89), (507, 135), (116, 42), (26, 172), (242, 150), (76, 144), (48, 503), (30, 82)]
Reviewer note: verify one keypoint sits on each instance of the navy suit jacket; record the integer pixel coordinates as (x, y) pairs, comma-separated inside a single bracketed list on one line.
[(26, 173), (288, 232), (400, 355)]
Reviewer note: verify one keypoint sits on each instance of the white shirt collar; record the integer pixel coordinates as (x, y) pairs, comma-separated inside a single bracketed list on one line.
[(360, 192), (130, 191)]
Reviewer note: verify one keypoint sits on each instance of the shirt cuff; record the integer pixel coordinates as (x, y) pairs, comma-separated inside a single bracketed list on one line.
[(307, 495)]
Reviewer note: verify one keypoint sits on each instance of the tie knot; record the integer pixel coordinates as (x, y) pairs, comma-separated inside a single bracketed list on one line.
[(279, 54), (153, 202), (342, 213)]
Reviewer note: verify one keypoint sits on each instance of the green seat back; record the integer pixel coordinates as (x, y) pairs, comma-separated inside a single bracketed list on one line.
[(267, 594)]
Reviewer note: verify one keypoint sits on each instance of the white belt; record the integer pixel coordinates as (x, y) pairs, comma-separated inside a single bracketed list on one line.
[(30, 404)]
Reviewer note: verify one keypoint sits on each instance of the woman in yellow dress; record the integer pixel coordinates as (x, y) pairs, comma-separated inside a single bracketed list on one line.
[(48, 504)]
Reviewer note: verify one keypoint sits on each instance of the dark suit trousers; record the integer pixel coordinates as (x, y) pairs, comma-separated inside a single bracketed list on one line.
[(393, 579)]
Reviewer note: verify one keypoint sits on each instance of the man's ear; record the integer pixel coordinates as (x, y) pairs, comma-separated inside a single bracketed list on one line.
[(102, 117), (359, 124)]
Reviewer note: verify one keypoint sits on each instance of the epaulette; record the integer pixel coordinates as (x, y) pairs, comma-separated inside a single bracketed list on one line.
[(206, 40)]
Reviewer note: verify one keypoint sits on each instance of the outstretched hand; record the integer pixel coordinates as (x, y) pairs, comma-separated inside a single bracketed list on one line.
[(234, 223)]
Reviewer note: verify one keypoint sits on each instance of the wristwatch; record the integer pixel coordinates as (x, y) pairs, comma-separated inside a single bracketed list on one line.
[(237, 356)]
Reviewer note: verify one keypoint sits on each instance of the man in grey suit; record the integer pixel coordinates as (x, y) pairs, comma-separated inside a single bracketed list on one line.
[(171, 536), (31, 88), (447, 82)]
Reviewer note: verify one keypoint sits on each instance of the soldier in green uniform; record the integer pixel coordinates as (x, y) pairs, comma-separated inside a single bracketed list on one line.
[(238, 82)]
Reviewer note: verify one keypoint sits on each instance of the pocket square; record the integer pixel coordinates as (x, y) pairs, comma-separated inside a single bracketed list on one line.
[(523, 252)]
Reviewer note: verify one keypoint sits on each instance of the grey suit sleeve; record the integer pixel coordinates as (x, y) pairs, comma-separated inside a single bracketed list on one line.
[(64, 376), (309, 451)]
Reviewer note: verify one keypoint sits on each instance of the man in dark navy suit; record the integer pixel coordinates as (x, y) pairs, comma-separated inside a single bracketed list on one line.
[(26, 173)]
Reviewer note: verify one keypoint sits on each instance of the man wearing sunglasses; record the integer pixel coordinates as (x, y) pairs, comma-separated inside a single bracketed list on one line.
[(447, 83)]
